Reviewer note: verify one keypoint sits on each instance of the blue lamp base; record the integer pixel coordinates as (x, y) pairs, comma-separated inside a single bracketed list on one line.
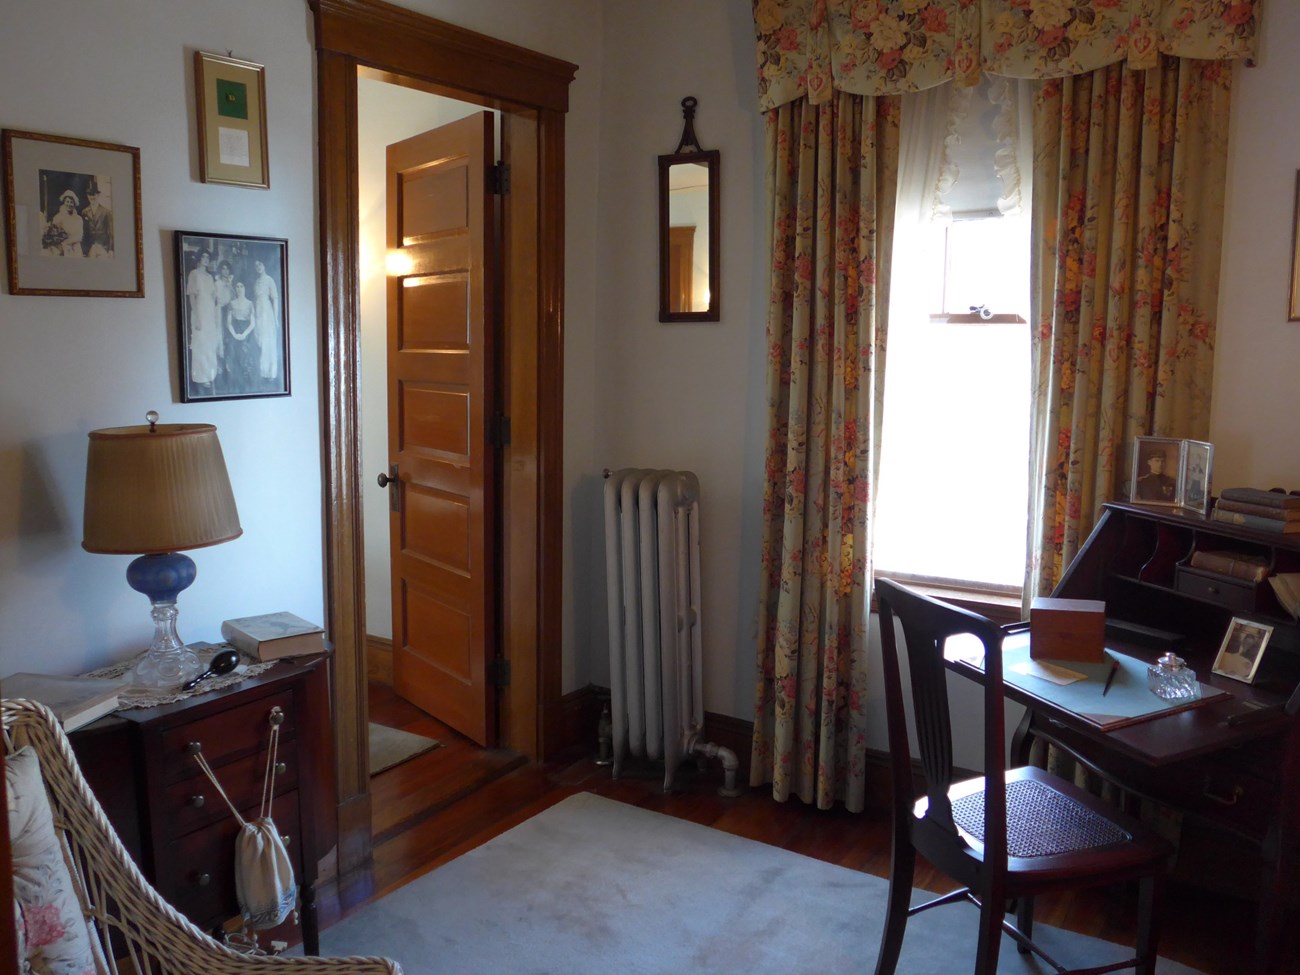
[(167, 662)]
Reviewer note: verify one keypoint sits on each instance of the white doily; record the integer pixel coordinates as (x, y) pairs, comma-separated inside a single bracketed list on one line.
[(133, 696)]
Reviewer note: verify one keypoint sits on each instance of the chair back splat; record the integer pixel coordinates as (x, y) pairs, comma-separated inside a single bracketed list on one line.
[(1004, 836)]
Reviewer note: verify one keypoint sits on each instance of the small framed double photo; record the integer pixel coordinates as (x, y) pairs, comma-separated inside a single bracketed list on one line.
[(1242, 649), (232, 120), (1172, 472), (233, 331)]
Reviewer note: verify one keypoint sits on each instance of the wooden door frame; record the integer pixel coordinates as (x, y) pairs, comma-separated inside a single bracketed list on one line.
[(416, 50)]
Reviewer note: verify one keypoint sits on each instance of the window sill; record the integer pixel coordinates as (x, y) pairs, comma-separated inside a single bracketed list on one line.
[(1002, 607)]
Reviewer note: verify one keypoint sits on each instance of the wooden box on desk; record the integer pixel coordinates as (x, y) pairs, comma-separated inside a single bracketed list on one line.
[(1067, 629)]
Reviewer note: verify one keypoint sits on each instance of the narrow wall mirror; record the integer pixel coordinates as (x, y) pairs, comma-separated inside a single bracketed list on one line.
[(688, 229)]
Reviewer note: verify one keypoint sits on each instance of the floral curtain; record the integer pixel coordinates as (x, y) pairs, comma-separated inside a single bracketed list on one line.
[(832, 173), (809, 48), (1129, 176)]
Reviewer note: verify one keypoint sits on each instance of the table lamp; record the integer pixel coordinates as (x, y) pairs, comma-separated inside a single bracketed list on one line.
[(152, 491)]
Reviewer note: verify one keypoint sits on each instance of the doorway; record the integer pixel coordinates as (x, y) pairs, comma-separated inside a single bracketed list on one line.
[(531, 91)]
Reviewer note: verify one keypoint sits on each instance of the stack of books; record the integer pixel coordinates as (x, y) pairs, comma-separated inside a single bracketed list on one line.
[(1238, 565), (1268, 511)]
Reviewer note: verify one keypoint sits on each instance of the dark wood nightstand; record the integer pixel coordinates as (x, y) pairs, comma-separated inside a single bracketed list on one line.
[(141, 765)]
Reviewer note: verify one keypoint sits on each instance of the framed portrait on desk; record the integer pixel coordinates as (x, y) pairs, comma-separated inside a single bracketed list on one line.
[(1242, 649)]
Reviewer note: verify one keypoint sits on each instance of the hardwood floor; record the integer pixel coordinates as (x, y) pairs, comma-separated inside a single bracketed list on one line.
[(445, 802)]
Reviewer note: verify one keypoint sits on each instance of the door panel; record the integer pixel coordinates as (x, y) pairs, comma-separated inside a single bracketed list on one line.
[(441, 395)]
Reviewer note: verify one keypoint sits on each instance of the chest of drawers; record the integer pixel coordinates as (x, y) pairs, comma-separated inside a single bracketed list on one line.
[(141, 764)]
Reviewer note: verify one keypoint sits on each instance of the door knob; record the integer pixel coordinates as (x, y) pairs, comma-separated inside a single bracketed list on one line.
[(385, 480), (394, 501)]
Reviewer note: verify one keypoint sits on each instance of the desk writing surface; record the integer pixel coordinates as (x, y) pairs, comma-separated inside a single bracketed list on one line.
[(1170, 736)]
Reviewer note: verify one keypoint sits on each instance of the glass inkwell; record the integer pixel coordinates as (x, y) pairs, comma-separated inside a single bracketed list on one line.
[(1171, 678)]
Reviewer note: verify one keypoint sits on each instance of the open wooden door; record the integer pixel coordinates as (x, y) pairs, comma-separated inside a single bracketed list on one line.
[(441, 401)]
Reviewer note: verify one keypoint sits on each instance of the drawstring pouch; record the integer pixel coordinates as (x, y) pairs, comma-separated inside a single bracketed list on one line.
[(264, 881)]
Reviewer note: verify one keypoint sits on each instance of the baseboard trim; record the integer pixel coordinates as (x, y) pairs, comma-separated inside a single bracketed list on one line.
[(379, 659)]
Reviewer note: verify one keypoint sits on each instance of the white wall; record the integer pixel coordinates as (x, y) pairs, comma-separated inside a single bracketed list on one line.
[(1256, 396), (121, 73)]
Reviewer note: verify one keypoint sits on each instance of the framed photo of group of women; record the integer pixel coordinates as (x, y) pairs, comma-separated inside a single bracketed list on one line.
[(233, 334)]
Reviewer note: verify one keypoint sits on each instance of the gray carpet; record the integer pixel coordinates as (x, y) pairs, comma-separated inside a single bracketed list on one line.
[(392, 746), (597, 886)]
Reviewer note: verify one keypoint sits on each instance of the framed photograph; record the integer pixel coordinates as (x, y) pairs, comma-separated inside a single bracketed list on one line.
[(233, 331), (1242, 649), (1157, 462), (72, 216), (1194, 476), (1293, 305), (231, 98)]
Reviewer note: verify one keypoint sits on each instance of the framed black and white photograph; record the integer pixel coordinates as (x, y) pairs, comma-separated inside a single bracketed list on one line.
[(231, 296), (1157, 462), (72, 216), (1242, 649), (1194, 475)]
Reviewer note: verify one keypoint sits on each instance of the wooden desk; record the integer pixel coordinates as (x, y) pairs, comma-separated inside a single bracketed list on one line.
[(1242, 779)]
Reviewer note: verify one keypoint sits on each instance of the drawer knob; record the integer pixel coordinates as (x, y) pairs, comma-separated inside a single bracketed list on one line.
[(284, 838), (1212, 590), (194, 748), (276, 716), (281, 768), (203, 879), (198, 801)]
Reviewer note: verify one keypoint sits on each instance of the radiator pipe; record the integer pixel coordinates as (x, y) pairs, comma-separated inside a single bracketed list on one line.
[(730, 764)]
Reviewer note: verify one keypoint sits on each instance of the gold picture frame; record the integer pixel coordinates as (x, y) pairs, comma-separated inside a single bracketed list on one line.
[(72, 216), (231, 96), (1293, 306)]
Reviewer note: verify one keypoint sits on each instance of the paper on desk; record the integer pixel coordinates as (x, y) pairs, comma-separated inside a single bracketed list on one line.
[(1051, 672)]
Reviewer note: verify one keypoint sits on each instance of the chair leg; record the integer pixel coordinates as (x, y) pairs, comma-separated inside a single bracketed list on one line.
[(1149, 894), (993, 905), (901, 870), (1025, 921)]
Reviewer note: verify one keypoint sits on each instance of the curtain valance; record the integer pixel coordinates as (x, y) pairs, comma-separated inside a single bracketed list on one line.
[(882, 47)]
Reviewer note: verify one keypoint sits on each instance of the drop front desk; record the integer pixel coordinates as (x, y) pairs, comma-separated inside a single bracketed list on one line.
[(1242, 780)]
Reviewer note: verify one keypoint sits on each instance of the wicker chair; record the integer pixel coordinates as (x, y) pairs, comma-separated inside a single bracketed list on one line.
[(132, 928)]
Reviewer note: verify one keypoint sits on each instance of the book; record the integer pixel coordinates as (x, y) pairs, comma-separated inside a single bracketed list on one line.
[(75, 701), (1238, 565), (1263, 510), (1273, 499), (1286, 586), (274, 635), (1254, 521)]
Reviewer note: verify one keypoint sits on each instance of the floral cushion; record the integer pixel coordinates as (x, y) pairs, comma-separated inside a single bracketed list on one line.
[(52, 933)]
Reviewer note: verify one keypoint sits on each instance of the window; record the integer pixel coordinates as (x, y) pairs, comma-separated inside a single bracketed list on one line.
[(953, 496)]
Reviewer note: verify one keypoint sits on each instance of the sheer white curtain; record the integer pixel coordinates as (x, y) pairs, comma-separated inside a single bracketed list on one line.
[(964, 153)]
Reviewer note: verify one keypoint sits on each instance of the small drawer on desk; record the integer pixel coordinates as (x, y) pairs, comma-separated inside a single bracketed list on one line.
[(1215, 588), (195, 802), (241, 730), (199, 869)]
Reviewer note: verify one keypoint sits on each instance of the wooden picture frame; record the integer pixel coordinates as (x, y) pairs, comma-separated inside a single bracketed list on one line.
[(1293, 305), (1157, 463), (232, 328), (72, 216), (1242, 649), (231, 97)]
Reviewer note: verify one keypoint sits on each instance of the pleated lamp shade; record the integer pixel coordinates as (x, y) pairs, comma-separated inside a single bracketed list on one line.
[(157, 488)]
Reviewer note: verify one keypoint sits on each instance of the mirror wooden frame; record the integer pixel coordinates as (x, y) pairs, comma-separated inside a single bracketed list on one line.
[(711, 160)]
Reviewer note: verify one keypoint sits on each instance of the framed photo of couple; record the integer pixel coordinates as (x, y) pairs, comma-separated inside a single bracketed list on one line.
[(1172, 472), (72, 216), (232, 326)]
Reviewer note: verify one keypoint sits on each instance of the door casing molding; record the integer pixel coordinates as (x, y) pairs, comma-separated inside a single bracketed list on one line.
[(531, 90)]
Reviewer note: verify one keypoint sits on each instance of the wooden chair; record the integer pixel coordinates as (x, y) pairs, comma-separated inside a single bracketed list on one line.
[(1008, 835), (132, 929)]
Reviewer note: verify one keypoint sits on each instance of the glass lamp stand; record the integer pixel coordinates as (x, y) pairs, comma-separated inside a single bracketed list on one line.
[(162, 577)]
